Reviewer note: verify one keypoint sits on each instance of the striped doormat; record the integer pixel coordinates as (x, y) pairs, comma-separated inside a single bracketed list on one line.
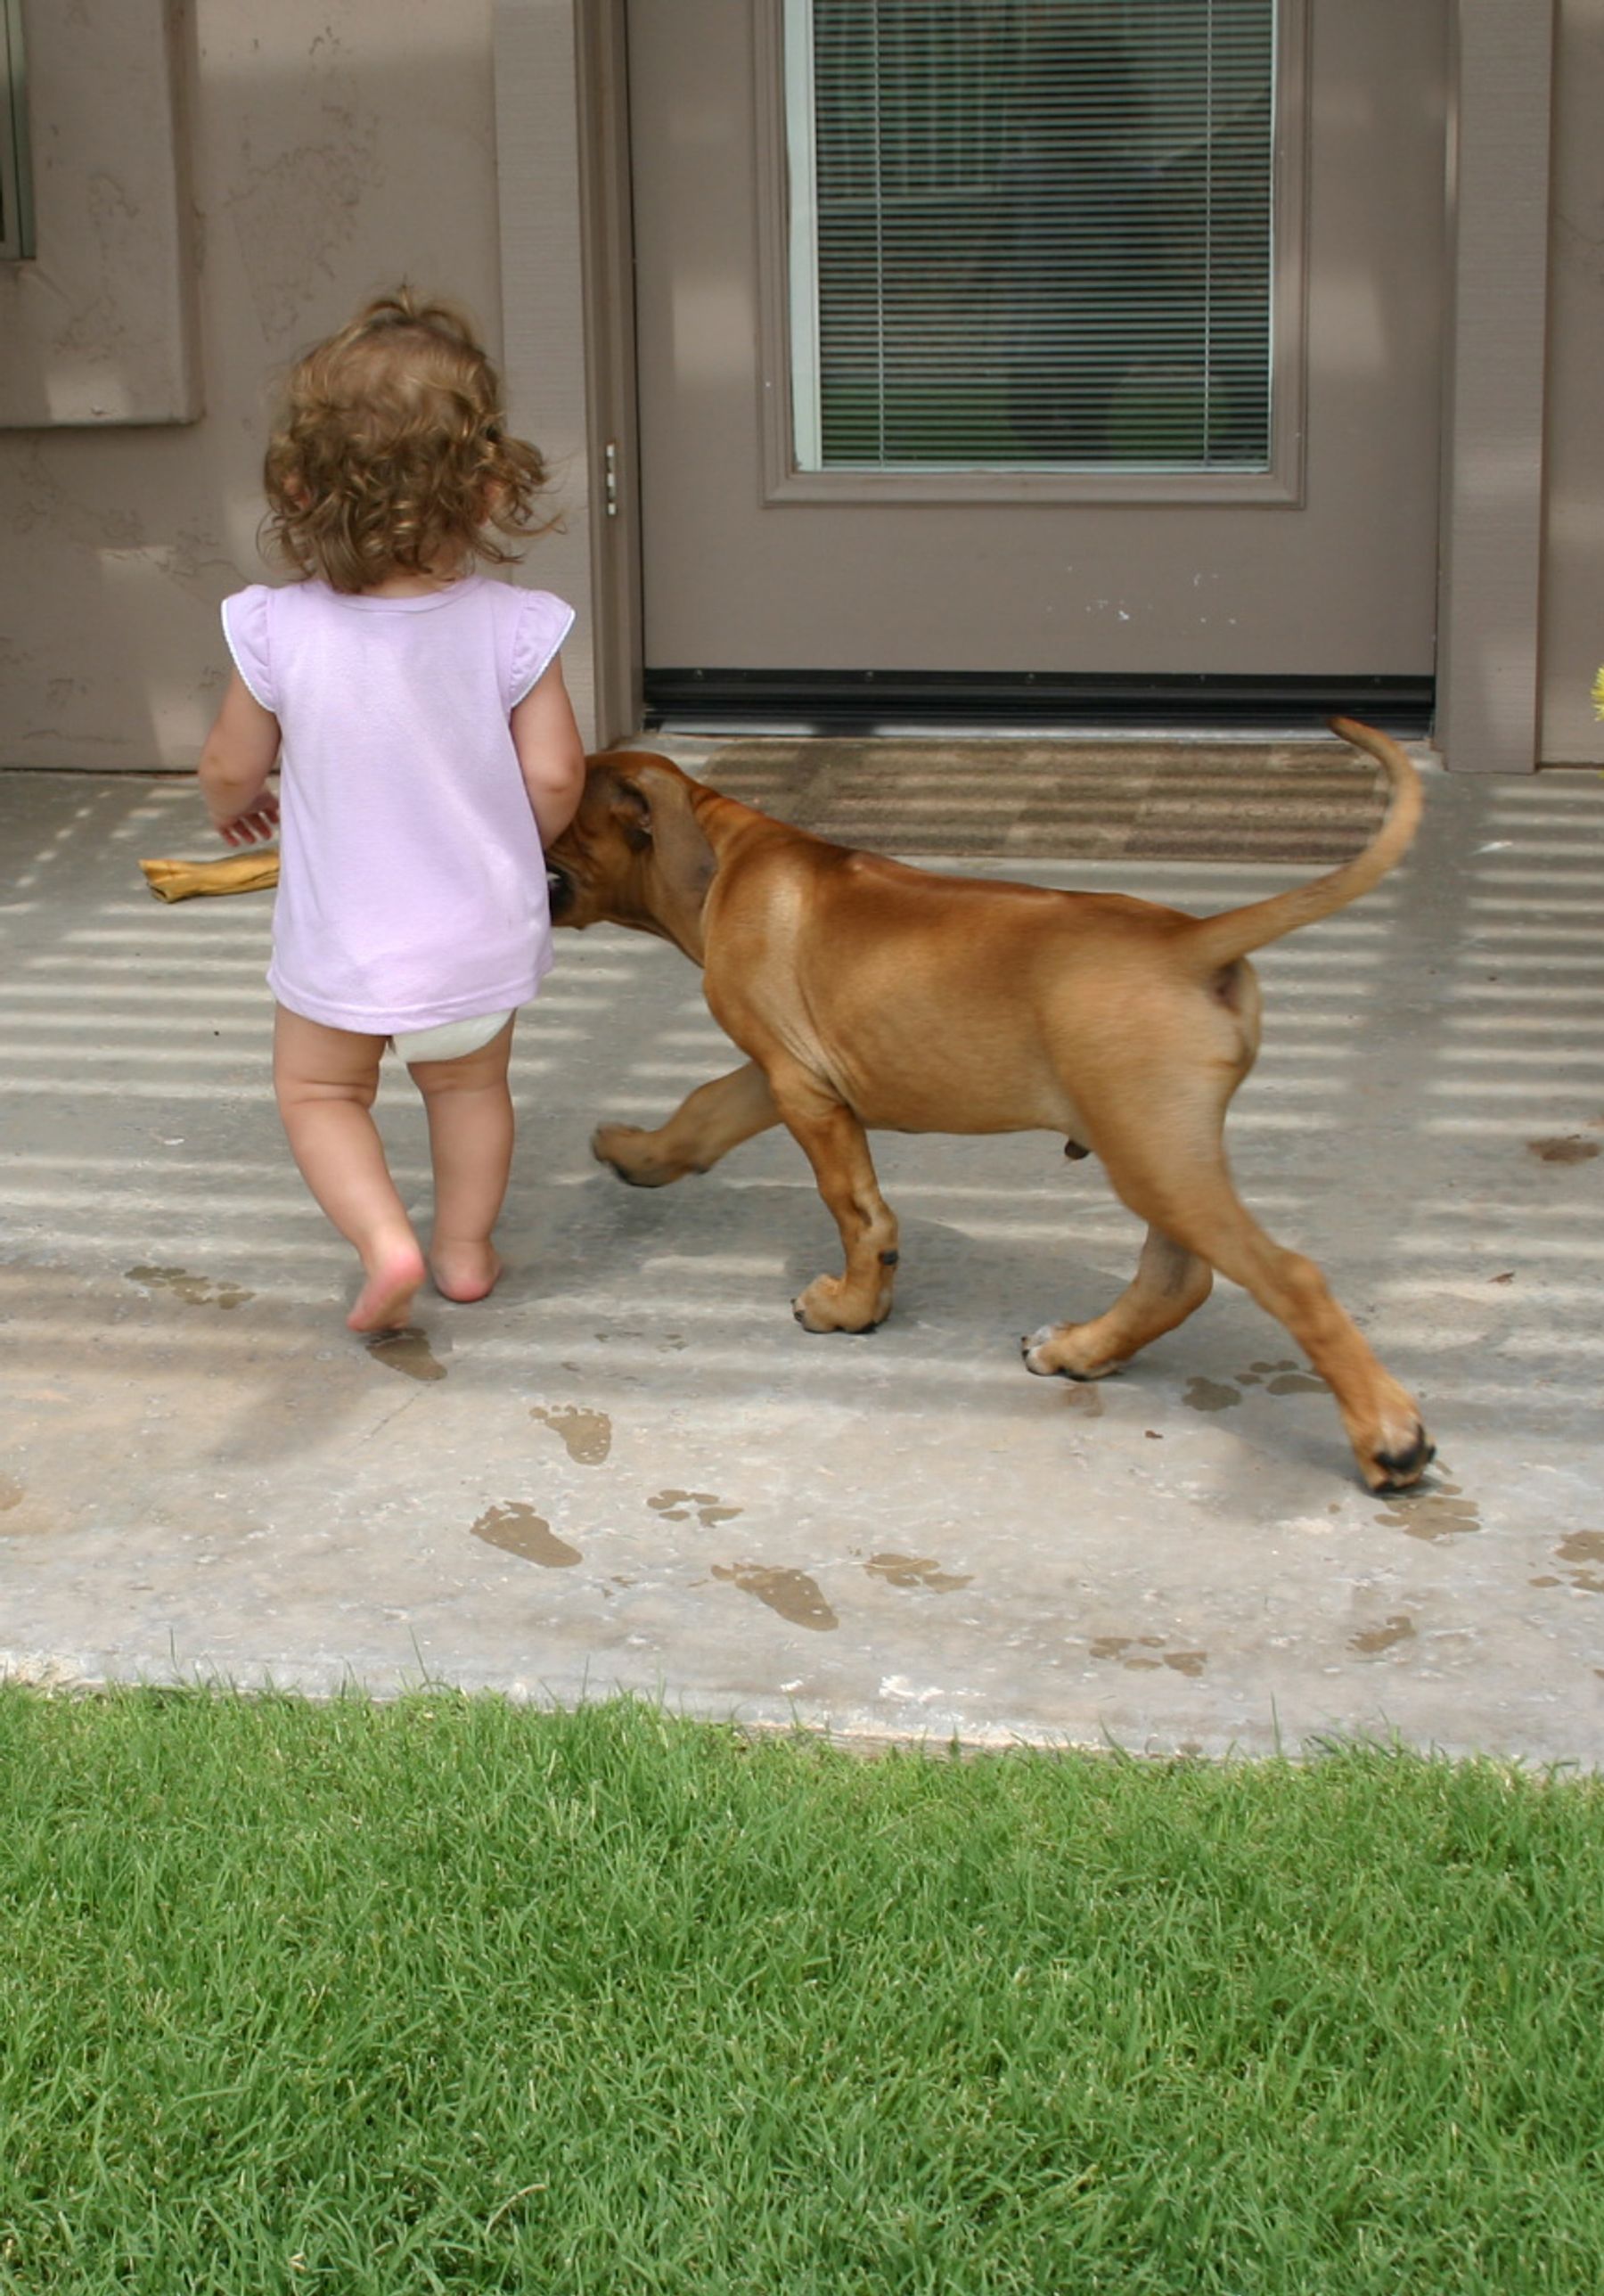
[(1294, 801)]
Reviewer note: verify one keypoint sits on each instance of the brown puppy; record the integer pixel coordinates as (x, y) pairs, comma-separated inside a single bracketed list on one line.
[(867, 994)]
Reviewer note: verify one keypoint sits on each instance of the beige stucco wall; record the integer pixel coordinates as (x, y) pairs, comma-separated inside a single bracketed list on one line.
[(327, 151), (1573, 572)]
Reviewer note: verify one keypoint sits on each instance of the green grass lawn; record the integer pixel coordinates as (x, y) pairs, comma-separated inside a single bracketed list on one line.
[(448, 1995)]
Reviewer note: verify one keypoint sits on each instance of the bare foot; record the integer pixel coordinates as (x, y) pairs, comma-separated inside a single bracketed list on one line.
[(385, 1300), (464, 1271)]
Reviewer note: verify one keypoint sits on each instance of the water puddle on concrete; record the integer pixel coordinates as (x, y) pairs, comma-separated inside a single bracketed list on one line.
[(679, 1506), (916, 1570), (517, 1530), (587, 1435), (407, 1352), (1437, 1511), (194, 1290), (796, 1596)]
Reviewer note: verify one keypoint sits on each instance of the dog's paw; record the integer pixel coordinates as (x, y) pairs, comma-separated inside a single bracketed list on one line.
[(1401, 1465), (1057, 1351), (1389, 1441), (628, 1151), (829, 1305)]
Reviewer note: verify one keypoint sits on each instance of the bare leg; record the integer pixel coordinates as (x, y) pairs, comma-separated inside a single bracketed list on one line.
[(716, 1118), (1170, 1281), (470, 1112), (325, 1080)]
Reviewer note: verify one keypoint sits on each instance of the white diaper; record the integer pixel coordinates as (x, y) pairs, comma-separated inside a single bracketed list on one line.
[(452, 1040)]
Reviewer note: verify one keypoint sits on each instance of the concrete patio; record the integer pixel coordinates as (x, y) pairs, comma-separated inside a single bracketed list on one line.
[(631, 1469)]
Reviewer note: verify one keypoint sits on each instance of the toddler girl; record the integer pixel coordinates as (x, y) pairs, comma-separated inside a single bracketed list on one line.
[(428, 753)]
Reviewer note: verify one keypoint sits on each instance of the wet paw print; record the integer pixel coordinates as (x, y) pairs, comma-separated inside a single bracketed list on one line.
[(1584, 1551), (194, 1290), (1146, 1654), (679, 1506), (1374, 1640), (587, 1435), (916, 1570), (1285, 1378), (1433, 1511)]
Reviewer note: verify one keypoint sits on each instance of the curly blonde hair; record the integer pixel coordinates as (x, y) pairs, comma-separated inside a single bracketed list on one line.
[(388, 454)]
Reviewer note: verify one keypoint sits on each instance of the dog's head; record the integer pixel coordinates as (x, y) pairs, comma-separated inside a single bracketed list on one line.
[(635, 854)]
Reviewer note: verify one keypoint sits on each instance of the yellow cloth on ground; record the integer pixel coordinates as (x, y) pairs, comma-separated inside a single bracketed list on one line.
[(241, 872)]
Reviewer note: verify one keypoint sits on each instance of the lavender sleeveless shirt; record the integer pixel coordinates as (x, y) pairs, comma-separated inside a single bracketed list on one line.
[(411, 886)]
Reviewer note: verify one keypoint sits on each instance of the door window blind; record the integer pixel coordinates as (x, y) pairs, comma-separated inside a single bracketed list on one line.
[(1031, 234)]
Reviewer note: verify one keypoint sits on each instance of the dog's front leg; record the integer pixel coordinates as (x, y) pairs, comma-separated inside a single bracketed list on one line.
[(716, 1118), (831, 1139)]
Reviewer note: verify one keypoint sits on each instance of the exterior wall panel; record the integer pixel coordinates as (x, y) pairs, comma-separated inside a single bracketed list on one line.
[(330, 152)]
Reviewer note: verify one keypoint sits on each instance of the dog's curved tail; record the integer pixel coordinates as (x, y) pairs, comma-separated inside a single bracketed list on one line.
[(1215, 941)]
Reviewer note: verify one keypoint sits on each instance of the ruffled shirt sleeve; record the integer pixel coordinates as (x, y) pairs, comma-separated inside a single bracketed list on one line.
[(543, 621), (245, 627)]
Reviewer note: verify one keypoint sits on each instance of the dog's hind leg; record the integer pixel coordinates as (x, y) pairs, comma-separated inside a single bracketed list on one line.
[(1190, 1197), (716, 1118), (1169, 1282)]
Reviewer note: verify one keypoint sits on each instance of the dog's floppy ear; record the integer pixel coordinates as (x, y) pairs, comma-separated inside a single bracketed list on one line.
[(629, 811), (654, 810)]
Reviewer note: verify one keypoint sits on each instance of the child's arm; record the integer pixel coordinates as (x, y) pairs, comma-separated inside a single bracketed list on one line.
[(551, 754), (240, 753)]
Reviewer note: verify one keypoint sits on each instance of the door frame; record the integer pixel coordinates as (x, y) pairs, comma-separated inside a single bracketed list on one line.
[(1496, 193)]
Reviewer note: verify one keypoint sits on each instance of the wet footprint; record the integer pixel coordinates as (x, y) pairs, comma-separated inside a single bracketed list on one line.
[(1209, 1395), (915, 1571), (1441, 1511), (1582, 1548), (1570, 1150), (194, 1290), (517, 1530), (407, 1352), (1385, 1637), (588, 1434), (1285, 1378), (1132, 1653), (792, 1594), (679, 1506), (1085, 1395)]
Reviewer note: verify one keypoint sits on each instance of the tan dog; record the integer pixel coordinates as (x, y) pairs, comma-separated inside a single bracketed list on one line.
[(867, 994)]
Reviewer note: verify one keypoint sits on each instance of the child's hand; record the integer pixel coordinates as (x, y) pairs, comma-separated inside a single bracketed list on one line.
[(240, 753), (259, 823)]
